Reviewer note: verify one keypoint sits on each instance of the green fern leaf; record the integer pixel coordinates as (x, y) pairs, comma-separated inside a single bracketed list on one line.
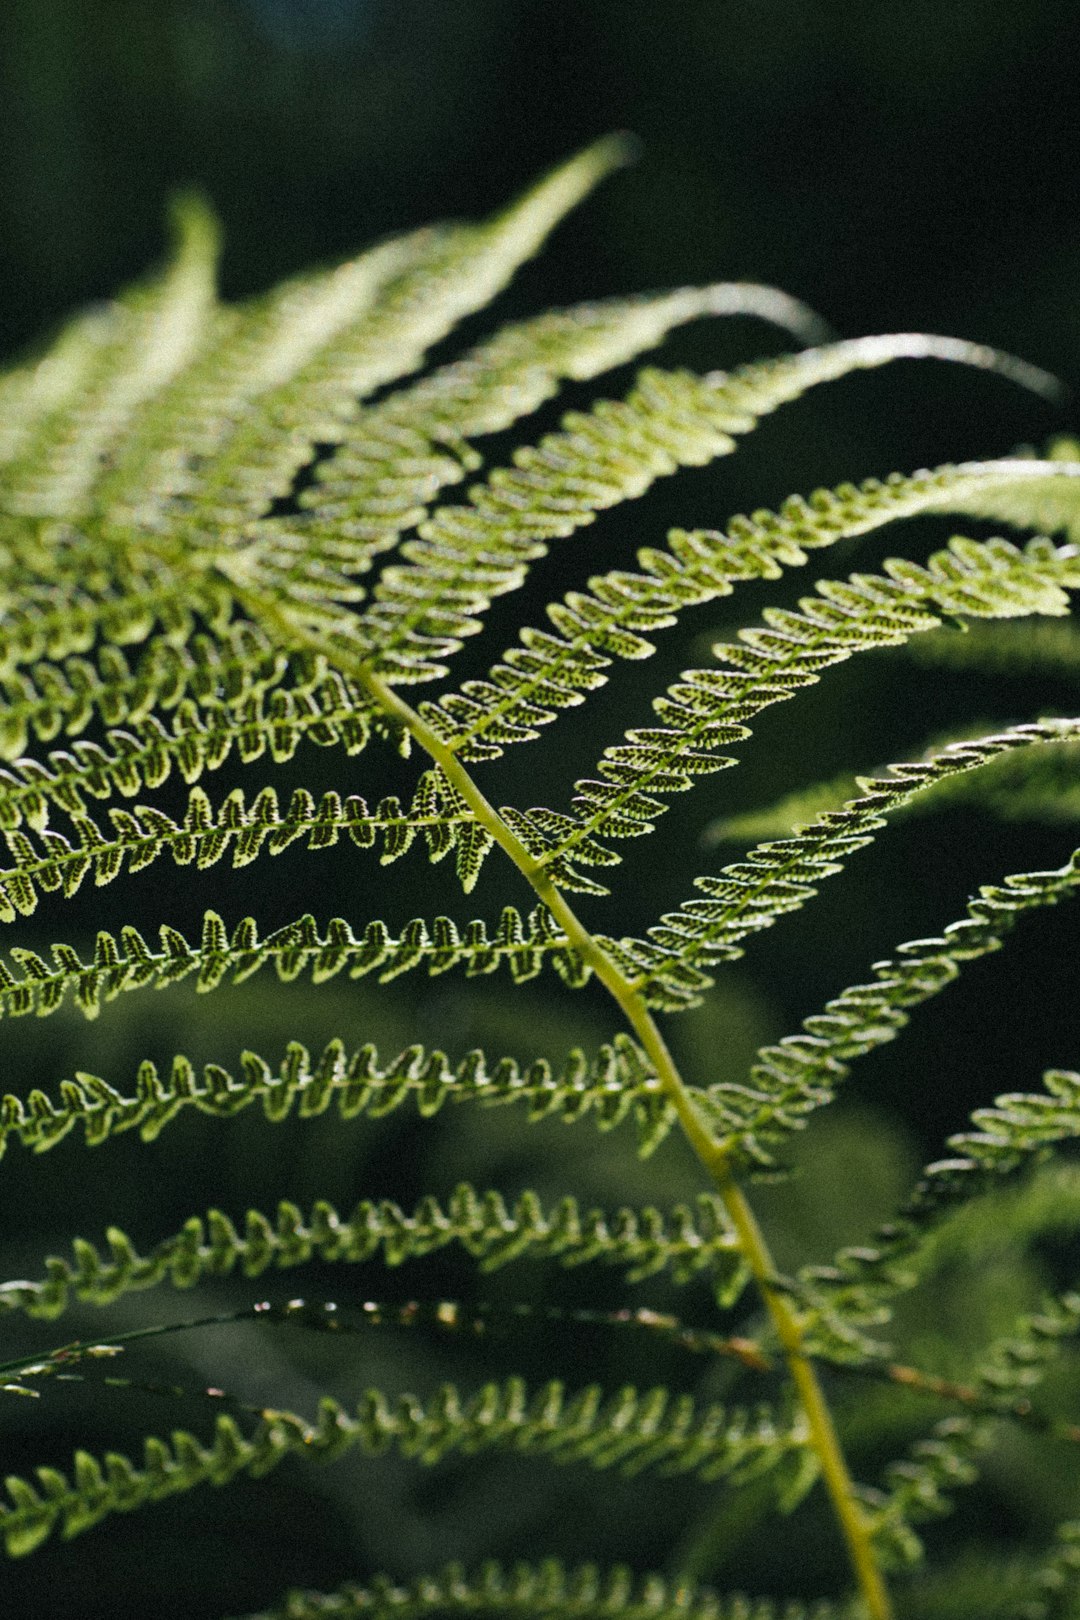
[(615, 1085), (800, 1072), (467, 555), (707, 708), (130, 964), (293, 369), (546, 672), (685, 1242), (628, 1430), (225, 533), (81, 402), (778, 877), (402, 451)]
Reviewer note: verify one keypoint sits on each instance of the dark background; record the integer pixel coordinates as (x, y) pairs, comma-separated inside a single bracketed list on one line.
[(899, 167)]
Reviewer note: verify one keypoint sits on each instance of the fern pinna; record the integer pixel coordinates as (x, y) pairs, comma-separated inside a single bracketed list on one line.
[(228, 533)]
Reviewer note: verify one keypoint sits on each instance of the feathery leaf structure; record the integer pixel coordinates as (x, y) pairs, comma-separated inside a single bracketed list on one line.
[(53, 621), (617, 1084), (48, 699), (800, 1073), (402, 451), (706, 709), (266, 716), (630, 1430), (240, 830), (81, 402), (469, 554), (1018, 1131), (684, 1242), (544, 1588), (192, 498), (613, 618), (779, 876), (128, 963), (290, 372), (407, 448)]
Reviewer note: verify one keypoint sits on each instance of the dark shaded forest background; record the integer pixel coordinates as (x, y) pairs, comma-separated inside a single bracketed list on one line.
[(900, 167)]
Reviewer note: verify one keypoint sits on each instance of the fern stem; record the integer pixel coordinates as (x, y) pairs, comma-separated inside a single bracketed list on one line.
[(714, 1156), (823, 1437)]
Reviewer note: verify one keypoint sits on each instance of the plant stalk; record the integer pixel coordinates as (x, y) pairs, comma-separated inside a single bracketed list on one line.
[(714, 1156)]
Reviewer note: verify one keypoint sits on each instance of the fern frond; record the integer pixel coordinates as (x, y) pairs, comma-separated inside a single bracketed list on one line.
[(547, 672), (469, 554), (53, 621), (617, 1084), (240, 828), (402, 451), (129, 963), (628, 1430), (546, 1588), (801, 1071), (293, 370), (920, 1486), (685, 1242), (1041, 786), (1016, 1132), (82, 403), (778, 877), (318, 707), (48, 698), (705, 709)]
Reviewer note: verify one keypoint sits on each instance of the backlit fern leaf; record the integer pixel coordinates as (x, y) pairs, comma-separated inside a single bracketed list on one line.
[(402, 451), (129, 963), (467, 555), (706, 709), (266, 717), (295, 366), (83, 400), (547, 672), (225, 533), (780, 876), (617, 1084), (800, 1073), (52, 621), (236, 828)]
